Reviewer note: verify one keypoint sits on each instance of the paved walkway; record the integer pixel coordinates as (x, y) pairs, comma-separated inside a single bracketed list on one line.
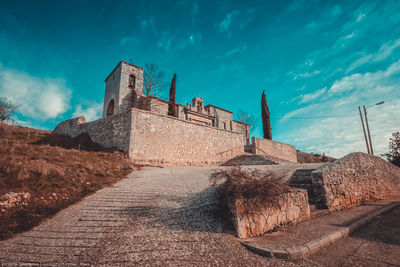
[(153, 217)]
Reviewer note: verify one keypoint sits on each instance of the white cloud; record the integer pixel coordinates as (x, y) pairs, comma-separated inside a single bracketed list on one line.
[(376, 82), (306, 74), (147, 23), (384, 52), (311, 96), (165, 41), (360, 17), (332, 125), (129, 40), (235, 51), (349, 36), (39, 98), (91, 111), (225, 24)]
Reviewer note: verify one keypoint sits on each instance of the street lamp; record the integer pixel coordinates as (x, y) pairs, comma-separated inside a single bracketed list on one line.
[(369, 147)]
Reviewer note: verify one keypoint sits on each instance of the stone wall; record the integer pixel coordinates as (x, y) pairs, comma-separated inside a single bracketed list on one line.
[(223, 117), (243, 128), (271, 148), (293, 207), (159, 139), (110, 132), (355, 179), (112, 90), (158, 106)]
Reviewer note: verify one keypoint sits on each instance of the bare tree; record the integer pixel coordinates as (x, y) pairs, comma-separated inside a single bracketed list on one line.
[(394, 149), (7, 109), (153, 83), (248, 118), (265, 117)]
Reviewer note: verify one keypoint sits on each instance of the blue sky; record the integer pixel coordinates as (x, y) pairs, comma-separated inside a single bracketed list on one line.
[(316, 60)]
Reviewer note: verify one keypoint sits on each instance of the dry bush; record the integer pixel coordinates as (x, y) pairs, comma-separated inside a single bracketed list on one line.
[(255, 188), (54, 176)]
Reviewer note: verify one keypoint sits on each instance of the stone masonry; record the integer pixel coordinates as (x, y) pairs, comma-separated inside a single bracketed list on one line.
[(199, 135), (293, 207), (355, 179)]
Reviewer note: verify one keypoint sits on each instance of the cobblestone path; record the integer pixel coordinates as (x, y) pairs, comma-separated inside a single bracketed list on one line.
[(156, 216)]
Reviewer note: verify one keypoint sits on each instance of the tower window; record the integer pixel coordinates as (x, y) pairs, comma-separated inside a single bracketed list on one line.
[(132, 81)]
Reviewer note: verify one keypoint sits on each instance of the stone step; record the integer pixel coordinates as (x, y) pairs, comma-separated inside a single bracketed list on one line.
[(249, 160)]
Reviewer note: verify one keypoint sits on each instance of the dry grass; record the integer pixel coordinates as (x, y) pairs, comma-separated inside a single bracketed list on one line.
[(54, 177), (255, 188)]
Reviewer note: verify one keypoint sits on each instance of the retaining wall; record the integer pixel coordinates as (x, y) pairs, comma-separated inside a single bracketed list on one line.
[(293, 207), (355, 179), (271, 148)]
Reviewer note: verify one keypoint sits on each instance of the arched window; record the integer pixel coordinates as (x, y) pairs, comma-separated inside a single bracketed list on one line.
[(110, 108), (132, 81)]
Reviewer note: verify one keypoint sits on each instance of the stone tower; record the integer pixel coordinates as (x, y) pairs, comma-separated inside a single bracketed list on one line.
[(124, 88)]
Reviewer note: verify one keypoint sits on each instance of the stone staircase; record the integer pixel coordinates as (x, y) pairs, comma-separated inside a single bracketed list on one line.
[(302, 179), (250, 159)]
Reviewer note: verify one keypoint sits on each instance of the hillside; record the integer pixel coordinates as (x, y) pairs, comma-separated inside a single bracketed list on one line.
[(38, 177), (304, 157)]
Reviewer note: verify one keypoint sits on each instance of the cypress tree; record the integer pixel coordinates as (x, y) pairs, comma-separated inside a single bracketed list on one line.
[(171, 104), (265, 117)]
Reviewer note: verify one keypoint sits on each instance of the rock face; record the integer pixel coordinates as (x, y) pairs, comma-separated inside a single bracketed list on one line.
[(292, 207), (355, 179)]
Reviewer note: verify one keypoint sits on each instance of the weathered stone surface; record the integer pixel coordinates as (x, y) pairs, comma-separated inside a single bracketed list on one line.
[(110, 132), (158, 139), (293, 207), (275, 149), (355, 179)]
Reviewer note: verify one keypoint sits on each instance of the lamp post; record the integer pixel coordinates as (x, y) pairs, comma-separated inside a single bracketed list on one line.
[(369, 148)]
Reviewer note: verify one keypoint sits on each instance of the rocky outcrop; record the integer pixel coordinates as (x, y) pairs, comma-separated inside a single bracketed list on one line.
[(355, 179), (284, 209)]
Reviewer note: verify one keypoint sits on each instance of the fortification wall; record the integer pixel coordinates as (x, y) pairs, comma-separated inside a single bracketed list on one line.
[(271, 148), (159, 139), (110, 132), (355, 179)]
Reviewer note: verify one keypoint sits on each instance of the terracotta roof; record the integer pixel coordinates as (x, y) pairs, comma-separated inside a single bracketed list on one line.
[(118, 65), (219, 108)]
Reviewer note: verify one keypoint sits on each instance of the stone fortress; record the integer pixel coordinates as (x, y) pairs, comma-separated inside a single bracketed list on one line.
[(199, 135)]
